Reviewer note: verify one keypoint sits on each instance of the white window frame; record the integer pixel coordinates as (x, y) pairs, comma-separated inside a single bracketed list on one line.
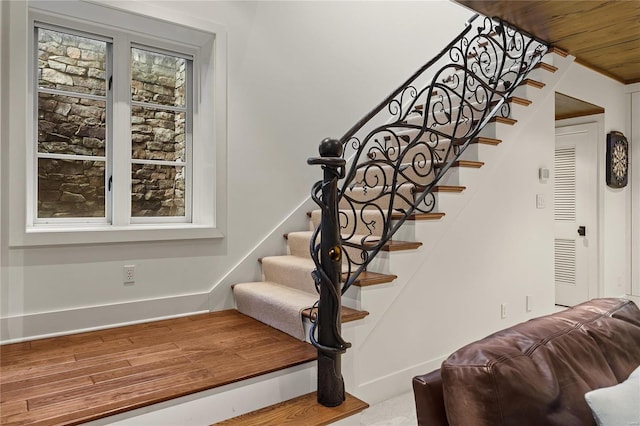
[(208, 41), (32, 201)]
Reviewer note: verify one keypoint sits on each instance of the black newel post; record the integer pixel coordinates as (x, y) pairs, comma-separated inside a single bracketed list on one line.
[(329, 341)]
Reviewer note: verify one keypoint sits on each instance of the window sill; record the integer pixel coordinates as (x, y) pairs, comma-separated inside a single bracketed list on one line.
[(54, 236)]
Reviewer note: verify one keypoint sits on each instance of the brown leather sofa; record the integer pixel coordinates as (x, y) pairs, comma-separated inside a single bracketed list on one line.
[(534, 373)]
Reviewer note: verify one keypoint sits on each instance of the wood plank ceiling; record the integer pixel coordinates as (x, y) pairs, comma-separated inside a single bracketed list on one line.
[(602, 35)]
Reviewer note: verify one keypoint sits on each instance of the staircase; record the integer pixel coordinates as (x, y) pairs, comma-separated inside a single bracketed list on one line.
[(401, 172), (403, 162)]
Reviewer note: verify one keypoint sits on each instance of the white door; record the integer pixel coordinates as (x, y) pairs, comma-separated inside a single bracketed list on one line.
[(575, 213)]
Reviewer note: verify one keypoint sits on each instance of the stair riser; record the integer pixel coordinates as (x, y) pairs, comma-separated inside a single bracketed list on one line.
[(370, 223), (385, 175), (541, 75), (298, 277), (526, 91), (421, 173), (298, 245), (495, 131), (422, 153), (358, 197), (222, 403), (458, 176)]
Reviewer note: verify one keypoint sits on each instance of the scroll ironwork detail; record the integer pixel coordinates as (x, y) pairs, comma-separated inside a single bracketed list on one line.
[(394, 157)]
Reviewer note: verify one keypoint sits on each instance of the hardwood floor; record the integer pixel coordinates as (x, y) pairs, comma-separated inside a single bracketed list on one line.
[(82, 377), (303, 410)]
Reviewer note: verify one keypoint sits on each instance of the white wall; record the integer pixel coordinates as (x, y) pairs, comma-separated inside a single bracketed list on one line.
[(493, 247), (297, 72), (634, 118), (497, 250), (614, 204)]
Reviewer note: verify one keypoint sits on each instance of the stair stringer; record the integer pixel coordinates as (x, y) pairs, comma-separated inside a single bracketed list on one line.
[(248, 268), (377, 384)]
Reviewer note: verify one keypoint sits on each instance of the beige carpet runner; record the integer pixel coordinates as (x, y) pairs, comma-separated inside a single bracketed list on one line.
[(287, 288)]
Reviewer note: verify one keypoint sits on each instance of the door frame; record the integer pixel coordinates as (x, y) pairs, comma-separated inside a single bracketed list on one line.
[(635, 191), (596, 287)]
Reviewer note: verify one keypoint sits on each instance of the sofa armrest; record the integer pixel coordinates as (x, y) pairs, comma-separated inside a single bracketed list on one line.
[(429, 397)]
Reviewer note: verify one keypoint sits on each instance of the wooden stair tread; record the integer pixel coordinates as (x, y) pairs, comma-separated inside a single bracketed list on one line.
[(347, 314), (545, 66), (533, 83), (82, 377), (367, 278), (514, 100), (504, 120), (418, 216), (463, 163), (395, 245), (558, 51), (303, 410), (448, 188), (486, 141), (519, 101), (442, 188)]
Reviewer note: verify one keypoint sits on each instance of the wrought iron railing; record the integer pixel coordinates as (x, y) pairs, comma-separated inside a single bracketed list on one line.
[(396, 155)]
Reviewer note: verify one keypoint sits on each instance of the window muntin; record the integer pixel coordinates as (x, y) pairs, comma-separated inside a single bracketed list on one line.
[(72, 118), (75, 163)]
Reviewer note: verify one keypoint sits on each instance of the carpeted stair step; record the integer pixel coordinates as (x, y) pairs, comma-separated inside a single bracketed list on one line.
[(282, 307), (299, 242), (303, 410), (274, 304), (420, 173), (291, 271), (369, 222), (359, 196)]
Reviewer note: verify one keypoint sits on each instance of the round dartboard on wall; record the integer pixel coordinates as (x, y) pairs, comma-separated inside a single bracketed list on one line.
[(617, 160)]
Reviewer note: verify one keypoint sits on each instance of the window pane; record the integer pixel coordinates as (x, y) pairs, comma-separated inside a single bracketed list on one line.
[(71, 63), (157, 190), (69, 125), (70, 188), (157, 134), (157, 78)]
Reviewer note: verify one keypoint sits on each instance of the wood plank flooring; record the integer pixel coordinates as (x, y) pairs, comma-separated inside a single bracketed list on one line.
[(303, 410), (77, 378)]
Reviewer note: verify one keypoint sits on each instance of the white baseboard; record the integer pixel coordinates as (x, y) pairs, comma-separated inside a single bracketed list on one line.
[(50, 324), (393, 384)]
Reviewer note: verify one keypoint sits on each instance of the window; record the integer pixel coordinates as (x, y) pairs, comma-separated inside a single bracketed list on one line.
[(127, 136), (74, 139), (71, 106)]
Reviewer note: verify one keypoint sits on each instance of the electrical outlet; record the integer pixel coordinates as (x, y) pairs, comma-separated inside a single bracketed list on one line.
[(503, 310), (529, 303), (129, 274)]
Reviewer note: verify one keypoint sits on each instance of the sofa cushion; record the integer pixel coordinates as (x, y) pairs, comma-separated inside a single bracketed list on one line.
[(617, 405), (537, 372)]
